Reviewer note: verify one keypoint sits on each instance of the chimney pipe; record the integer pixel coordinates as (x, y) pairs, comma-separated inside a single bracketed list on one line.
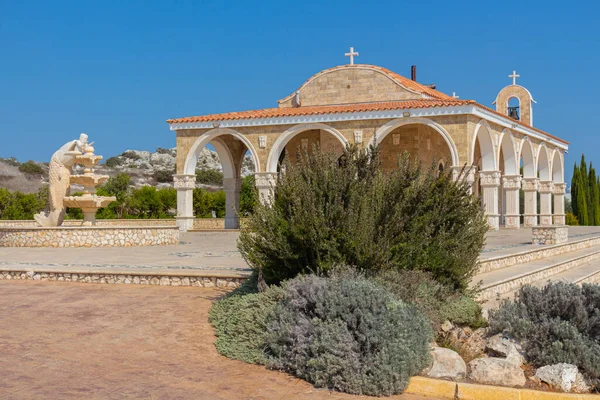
[(413, 73)]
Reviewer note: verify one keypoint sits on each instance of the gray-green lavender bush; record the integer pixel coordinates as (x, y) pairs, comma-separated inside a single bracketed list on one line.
[(559, 323), (347, 334)]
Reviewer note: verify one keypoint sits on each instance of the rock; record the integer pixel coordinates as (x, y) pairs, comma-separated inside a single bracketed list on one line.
[(503, 346), (580, 385), (447, 364), (560, 376), (496, 371), (475, 344), (447, 326)]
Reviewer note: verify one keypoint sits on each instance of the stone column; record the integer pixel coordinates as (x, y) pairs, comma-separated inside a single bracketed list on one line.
[(232, 187), (530, 187), (468, 173), (185, 185), (545, 203), (511, 185), (559, 203), (265, 183), (489, 181)]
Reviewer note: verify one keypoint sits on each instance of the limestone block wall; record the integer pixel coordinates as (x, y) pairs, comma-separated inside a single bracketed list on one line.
[(550, 234), (89, 236), (124, 279)]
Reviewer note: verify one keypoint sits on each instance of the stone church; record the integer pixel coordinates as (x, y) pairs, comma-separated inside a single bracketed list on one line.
[(364, 104)]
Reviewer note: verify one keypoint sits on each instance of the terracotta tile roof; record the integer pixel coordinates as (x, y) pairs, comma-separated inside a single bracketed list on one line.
[(314, 110)]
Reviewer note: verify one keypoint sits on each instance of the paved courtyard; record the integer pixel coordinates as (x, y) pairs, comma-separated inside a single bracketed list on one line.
[(82, 341), (209, 253)]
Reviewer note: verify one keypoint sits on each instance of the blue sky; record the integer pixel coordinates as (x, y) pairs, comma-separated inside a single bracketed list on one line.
[(117, 70)]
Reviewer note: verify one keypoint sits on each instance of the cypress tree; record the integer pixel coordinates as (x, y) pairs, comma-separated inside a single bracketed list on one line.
[(574, 190), (596, 203), (582, 190), (581, 201), (592, 199)]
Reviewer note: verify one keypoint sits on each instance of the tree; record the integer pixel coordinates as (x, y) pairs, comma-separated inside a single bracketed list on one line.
[(583, 191), (582, 207), (574, 189), (594, 198), (326, 213), (248, 196)]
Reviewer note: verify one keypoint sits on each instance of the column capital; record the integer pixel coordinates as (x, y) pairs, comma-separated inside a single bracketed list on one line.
[(511, 181), (184, 182), (559, 188), (265, 180), (545, 187), (530, 184), (489, 178)]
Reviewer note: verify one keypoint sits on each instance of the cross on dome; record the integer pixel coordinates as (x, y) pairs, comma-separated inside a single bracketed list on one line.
[(351, 55), (514, 77)]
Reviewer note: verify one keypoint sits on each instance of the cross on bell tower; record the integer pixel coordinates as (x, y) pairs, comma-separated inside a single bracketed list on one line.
[(514, 77), (351, 55)]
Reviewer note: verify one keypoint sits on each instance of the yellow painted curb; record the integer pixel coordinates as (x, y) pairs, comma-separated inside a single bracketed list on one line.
[(468, 391), (431, 387)]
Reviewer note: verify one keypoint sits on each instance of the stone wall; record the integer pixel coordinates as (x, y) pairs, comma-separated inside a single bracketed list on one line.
[(550, 234), (126, 279), (89, 236), (199, 223)]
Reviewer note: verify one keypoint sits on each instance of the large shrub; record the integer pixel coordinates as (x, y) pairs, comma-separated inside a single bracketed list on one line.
[(30, 167), (347, 334), (240, 321), (559, 323), (327, 211)]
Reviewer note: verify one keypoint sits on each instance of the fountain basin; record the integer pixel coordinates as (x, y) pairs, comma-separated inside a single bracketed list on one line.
[(90, 181), (89, 204)]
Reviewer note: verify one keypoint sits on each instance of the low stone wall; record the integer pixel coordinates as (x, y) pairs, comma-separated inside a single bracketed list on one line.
[(95, 236), (549, 234), (199, 223), (495, 263), (126, 279)]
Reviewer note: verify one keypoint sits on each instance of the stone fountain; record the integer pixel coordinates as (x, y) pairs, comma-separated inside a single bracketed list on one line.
[(50, 228), (89, 202)]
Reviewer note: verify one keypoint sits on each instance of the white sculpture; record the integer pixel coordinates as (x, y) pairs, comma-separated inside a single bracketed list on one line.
[(61, 168)]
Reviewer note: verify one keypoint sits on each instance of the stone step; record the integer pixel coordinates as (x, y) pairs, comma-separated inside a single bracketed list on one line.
[(533, 253), (586, 273), (509, 279)]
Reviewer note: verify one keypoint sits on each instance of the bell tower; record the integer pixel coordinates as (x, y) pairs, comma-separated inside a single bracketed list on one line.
[(515, 102)]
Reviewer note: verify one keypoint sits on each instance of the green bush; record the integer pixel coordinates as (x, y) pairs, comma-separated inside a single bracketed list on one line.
[(209, 177), (20, 206), (113, 162), (240, 321), (162, 176), (132, 155), (347, 334), (571, 219), (248, 196), (559, 323), (31, 168), (325, 212), (439, 302), (205, 202)]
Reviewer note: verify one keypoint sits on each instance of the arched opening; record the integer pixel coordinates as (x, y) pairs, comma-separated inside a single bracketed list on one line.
[(305, 138), (419, 140), (484, 160), (217, 151), (557, 168), (545, 191), (514, 108), (528, 195)]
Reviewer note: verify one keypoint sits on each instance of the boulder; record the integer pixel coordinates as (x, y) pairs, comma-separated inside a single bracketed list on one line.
[(496, 371), (447, 364), (446, 326), (562, 376), (503, 346)]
